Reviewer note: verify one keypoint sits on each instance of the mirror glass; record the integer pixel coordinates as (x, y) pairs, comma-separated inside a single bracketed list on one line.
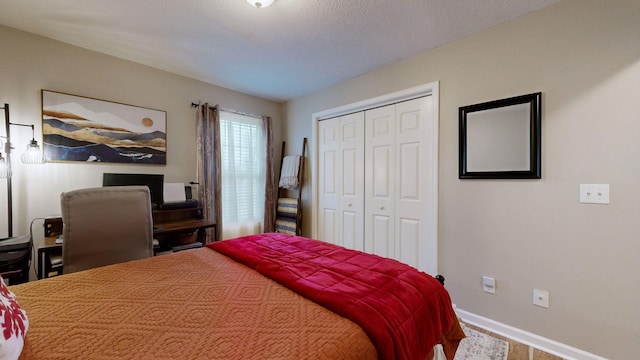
[(501, 139)]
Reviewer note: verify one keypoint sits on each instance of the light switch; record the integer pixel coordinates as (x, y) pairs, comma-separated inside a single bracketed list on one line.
[(594, 193)]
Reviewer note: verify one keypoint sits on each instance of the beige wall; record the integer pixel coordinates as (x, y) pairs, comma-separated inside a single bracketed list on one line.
[(30, 63), (584, 56)]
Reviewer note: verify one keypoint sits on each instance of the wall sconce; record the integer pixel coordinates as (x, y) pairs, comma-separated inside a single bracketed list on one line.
[(33, 155), (260, 3)]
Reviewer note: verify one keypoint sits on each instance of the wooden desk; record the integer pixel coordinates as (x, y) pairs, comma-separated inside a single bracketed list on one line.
[(165, 224), (182, 220), (47, 248)]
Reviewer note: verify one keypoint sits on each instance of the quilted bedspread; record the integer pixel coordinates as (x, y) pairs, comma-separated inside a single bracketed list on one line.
[(195, 304), (405, 312)]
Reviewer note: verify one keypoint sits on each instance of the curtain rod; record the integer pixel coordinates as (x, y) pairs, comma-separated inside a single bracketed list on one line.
[(194, 105)]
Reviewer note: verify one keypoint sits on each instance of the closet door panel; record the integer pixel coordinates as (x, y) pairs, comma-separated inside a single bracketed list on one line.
[(409, 162), (352, 179), (350, 229), (328, 182), (382, 180), (351, 224), (380, 177), (382, 230), (411, 181), (329, 226), (408, 250)]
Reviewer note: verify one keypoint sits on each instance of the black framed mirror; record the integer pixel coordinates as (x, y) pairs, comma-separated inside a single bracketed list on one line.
[(501, 139)]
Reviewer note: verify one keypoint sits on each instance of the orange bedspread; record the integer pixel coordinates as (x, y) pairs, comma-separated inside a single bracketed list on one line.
[(195, 304), (404, 311)]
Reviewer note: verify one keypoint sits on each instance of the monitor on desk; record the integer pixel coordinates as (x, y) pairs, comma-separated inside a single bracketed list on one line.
[(155, 183)]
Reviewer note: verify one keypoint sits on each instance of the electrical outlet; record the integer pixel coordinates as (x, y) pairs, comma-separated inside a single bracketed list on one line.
[(489, 284), (541, 298)]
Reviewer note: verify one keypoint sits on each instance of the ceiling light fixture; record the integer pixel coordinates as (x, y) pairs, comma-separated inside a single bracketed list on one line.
[(260, 3)]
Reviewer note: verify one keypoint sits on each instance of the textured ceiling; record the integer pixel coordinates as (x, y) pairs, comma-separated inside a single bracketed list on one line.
[(290, 49)]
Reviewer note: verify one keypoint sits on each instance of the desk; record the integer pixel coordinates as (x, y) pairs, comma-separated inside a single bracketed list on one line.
[(182, 220), (165, 223), (45, 251)]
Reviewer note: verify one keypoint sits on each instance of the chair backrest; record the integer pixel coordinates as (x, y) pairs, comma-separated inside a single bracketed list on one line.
[(105, 225)]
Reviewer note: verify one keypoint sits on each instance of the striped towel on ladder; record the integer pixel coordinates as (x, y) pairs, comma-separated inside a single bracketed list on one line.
[(286, 216)]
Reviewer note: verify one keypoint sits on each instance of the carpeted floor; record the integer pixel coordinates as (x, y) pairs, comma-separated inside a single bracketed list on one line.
[(478, 346)]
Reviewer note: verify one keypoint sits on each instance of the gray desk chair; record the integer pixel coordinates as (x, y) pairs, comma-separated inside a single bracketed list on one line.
[(106, 225)]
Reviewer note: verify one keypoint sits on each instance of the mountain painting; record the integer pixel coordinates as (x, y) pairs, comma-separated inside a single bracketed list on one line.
[(76, 128)]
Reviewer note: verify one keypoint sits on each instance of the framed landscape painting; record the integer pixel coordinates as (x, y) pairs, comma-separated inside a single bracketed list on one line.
[(77, 128)]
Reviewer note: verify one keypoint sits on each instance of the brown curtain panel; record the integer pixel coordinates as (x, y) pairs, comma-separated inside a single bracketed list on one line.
[(271, 190), (208, 147)]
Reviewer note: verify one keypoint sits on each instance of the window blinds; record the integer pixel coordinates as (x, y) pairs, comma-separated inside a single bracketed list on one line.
[(243, 175)]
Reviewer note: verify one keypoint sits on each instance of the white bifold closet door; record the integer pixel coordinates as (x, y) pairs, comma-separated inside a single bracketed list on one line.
[(372, 182), (396, 180), (341, 190)]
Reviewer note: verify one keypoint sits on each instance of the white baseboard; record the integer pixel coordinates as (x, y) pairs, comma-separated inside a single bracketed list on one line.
[(547, 345)]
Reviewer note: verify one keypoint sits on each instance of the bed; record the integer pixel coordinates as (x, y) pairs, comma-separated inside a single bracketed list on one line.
[(266, 296)]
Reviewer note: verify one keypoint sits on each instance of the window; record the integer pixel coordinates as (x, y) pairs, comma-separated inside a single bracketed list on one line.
[(242, 157)]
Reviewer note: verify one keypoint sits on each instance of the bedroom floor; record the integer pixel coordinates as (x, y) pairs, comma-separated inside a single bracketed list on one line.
[(519, 351)]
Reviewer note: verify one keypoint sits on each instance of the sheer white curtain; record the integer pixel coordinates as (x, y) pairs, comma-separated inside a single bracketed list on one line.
[(242, 150)]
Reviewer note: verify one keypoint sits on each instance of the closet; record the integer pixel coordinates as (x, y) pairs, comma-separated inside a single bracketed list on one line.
[(375, 190)]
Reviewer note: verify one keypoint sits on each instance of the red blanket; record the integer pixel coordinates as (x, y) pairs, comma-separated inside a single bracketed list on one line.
[(405, 312)]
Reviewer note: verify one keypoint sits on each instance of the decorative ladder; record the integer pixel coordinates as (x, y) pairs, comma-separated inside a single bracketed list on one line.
[(289, 209)]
